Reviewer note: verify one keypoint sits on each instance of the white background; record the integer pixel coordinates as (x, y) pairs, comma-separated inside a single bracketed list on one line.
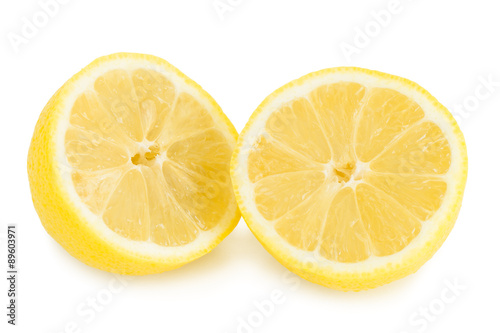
[(239, 57)]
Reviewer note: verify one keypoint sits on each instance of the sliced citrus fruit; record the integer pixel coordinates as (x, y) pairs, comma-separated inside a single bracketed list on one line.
[(350, 178), (129, 166)]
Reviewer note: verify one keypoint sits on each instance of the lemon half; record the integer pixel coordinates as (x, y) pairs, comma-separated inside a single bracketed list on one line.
[(129, 166), (350, 178)]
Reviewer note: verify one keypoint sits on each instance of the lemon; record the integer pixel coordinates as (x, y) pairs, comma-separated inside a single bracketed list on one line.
[(129, 166), (350, 178)]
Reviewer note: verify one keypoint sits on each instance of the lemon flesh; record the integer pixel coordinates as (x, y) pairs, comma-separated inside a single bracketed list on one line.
[(139, 158), (351, 178)]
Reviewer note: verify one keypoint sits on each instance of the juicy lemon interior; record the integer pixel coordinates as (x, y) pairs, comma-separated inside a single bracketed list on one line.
[(349, 171), (147, 158)]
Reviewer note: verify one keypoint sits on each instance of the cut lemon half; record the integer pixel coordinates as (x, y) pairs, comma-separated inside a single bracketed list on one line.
[(350, 178), (129, 166)]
